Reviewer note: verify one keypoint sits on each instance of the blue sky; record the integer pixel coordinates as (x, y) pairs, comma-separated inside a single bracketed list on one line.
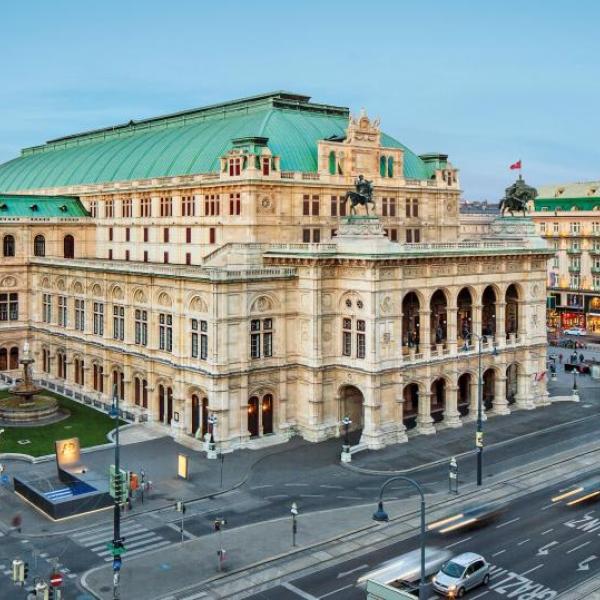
[(486, 82)]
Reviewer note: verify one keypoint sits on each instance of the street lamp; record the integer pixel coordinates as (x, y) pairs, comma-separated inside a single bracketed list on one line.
[(382, 517), (575, 390), (479, 430), (212, 421), (294, 512), (117, 543), (346, 422)]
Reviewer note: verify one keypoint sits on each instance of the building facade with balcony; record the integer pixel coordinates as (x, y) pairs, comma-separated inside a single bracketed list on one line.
[(205, 262), (568, 217)]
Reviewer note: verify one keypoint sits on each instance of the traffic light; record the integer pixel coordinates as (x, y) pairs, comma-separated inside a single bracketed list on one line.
[(25, 571), (119, 484), (219, 523)]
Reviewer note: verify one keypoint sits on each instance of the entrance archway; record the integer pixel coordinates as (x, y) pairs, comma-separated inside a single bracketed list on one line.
[(411, 405), (464, 393), (489, 384), (199, 415), (165, 404), (260, 415), (438, 400), (512, 374), (267, 414), (352, 405), (253, 416)]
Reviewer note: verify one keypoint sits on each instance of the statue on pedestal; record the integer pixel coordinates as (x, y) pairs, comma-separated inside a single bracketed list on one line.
[(363, 195), (516, 197)]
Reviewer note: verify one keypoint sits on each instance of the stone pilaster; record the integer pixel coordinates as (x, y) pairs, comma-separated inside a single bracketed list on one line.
[(451, 414), (500, 405), (424, 419)]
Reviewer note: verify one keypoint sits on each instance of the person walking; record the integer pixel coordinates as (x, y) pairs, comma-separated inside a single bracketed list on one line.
[(581, 357), (560, 357)]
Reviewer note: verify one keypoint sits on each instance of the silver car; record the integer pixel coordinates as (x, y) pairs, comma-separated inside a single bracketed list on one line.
[(462, 573)]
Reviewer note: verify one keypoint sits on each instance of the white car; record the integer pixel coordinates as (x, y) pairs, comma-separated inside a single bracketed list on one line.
[(575, 331)]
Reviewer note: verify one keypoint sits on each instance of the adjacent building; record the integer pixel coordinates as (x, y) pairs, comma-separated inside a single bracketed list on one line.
[(568, 217), (205, 262)]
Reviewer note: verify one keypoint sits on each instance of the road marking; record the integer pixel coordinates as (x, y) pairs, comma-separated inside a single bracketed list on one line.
[(499, 553), (336, 591), (135, 544), (524, 542), (177, 528), (344, 573), (196, 596), (583, 565), (459, 542), (133, 538), (332, 487), (544, 550), (498, 573), (479, 595), (547, 506), (547, 531), (508, 522), (298, 591), (532, 570), (260, 487), (296, 484), (312, 495), (578, 547), (143, 549), (349, 497)]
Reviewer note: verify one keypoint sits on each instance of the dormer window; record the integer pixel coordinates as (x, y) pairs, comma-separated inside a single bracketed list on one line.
[(266, 165), (63, 207), (4, 206), (235, 166), (33, 207)]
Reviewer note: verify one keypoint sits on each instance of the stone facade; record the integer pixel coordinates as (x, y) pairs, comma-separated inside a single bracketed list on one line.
[(204, 293)]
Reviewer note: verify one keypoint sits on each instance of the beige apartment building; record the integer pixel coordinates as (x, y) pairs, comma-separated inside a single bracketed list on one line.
[(568, 218), (204, 263)]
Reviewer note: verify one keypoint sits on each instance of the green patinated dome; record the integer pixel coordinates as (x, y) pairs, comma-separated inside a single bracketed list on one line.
[(188, 143)]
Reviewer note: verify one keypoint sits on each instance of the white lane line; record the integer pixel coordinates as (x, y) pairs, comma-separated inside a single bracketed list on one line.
[(336, 591), (196, 596), (578, 547), (312, 495), (177, 528), (532, 570), (349, 497), (344, 573), (296, 484), (143, 543), (459, 542), (508, 522), (547, 531), (261, 487), (498, 553), (332, 487), (128, 541), (547, 506), (524, 542), (479, 595), (498, 573), (298, 591)]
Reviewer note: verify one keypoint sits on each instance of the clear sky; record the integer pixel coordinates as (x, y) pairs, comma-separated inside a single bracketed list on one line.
[(487, 82)]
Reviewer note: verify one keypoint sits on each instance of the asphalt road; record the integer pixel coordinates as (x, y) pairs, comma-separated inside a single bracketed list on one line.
[(537, 549)]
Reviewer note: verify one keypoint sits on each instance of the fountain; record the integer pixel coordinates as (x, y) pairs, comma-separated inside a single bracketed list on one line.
[(27, 405)]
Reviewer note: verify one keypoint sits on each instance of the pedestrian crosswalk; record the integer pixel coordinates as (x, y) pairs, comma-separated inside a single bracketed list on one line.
[(138, 539)]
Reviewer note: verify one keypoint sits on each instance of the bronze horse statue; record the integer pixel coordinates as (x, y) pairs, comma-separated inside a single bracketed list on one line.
[(363, 195), (516, 197)]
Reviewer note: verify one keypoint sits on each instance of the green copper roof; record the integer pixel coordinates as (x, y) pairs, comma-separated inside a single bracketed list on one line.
[(18, 205), (566, 204), (189, 142)]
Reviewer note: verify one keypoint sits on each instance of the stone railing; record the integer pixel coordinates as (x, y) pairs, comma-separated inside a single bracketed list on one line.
[(151, 269)]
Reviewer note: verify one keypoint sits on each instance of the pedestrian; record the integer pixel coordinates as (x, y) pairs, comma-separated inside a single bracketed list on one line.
[(581, 357), (560, 357)]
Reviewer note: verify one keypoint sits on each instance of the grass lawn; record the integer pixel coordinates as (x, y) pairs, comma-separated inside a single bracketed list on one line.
[(89, 425)]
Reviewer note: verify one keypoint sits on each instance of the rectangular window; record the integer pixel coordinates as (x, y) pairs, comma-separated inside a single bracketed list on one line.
[(555, 227), (146, 207), (141, 327), (98, 318), (235, 205), (188, 206), (393, 234), (392, 207), (145, 255), (9, 307), (212, 205), (542, 228), (388, 207), (596, 282), (235, 166), (62, 311), (574, 282), (126, 208), (347, 337), (188, 258), (266, 165), (79, 314), (199, 339), (415, 207), (408, 208), (188, 235), (409, 236), (119, 323), (166, 257), (166, 206), (306, 236), (93, 208), (109, 209), (417, 236), (574, 228), (316, 234), (334, 206), (145, 234), (306, 205), (46, 308), (110, 254), (166, 235), (316, 206), (110, 234), (165, 332), (360, 339), (126, 254), (267, 337), (127, 234), (555, 262), (212, 235)]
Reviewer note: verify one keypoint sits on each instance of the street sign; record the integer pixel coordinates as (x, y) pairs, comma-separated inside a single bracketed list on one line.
[(117, 563), (479, 439), (56, 579)]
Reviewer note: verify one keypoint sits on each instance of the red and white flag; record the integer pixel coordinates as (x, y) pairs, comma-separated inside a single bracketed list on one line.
[(516, 165)]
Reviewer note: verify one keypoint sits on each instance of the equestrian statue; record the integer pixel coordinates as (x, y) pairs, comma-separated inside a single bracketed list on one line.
[(363, 195), (516, 198)]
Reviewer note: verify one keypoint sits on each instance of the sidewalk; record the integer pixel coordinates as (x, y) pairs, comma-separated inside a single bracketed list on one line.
[(262, 551)]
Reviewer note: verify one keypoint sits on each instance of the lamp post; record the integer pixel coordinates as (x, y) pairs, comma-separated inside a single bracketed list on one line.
[(575, 390), (117, 542), (381, 516), (346, 456), (294, 512), (212, 421)]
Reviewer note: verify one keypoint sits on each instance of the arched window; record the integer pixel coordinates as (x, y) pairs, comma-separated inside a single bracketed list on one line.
[(14, 358), (69, 246), (332, 163), (390, 166), (9, 245), (39, 246), (382, 166), (3, 359)]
